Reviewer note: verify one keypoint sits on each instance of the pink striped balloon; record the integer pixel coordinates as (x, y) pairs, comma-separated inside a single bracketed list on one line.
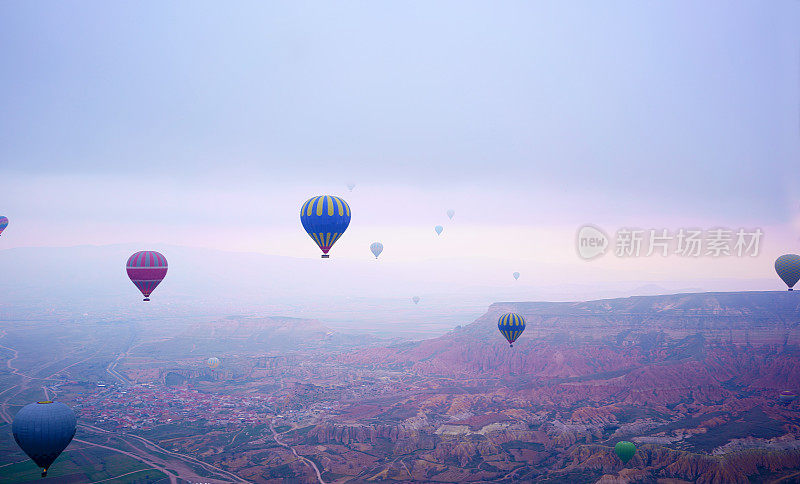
[(146, 270)]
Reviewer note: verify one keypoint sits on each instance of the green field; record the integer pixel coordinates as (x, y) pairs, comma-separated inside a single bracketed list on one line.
[(84, 466)]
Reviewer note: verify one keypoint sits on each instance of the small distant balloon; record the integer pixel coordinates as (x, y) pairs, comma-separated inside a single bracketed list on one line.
[(511, 325), (787, 396), (325, 218), (350, 186), (146, 269), (3, 223), (625, 450), (415, 299), (213, 362), (43, 430), (516, 275), (438, 229), (788, 268), (376, 248), (450, 213)]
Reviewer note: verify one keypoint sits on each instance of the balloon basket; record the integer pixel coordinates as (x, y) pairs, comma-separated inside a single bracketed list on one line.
[(146, 299), (325, 256), (791, 289)]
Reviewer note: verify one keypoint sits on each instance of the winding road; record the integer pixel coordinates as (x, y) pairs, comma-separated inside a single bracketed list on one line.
[(307, 461)]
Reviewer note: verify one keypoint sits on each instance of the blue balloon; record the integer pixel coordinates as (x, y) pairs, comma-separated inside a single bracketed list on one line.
[(511, 325), (325, 218), (376, 248), (438, 229), (788, 268), (43, 430)]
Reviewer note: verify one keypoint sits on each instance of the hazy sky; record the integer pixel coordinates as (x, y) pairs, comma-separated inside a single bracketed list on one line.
[(210, 123)]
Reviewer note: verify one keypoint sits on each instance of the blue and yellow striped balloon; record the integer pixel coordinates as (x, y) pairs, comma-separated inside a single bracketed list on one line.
[(788, 268), (325, 218), (511, 325)]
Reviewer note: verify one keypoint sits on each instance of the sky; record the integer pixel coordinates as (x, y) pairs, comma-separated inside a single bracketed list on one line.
[(208, 124)]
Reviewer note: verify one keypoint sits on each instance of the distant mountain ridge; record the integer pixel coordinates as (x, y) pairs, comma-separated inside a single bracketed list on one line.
[(686, 311), (756, 303), (578, 338)]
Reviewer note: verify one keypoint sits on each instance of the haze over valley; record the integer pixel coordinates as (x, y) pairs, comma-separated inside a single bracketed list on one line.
[(411, 242)]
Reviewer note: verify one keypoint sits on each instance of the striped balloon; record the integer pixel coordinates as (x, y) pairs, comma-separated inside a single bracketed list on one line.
[(325, 218), (788, 268), (511, 325), (146, 270), (3, 223), (213, 362)]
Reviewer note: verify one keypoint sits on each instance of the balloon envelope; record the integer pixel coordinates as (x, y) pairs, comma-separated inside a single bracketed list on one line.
[(450, 213), (43, 430), (350, 186), (625, 451), (325, 218), (511, 325), (146, 270), (213, 362), (788, 268), (3, 223), (376, 248), (415, 299), (787, 396), (438, 229), (516, 275)]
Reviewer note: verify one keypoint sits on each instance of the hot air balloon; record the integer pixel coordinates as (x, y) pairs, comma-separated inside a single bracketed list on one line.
[(787, 396), (625, 451), (146, 270), (415, 299), (325, 218), (450, 213), (511, 325), (43, 430), (788, 268), (516, 275), (438, 229), (350, 186), (376, 248), (3, 224), (213, 362)]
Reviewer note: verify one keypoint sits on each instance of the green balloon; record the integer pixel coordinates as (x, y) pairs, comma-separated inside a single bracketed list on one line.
[(625, 451)]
